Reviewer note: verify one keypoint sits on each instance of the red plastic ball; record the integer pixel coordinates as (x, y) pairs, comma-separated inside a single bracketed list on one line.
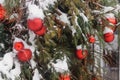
[(64, 77), (81, 54), (91, 39), (109, 37), (18, 46), (24, 55), (41, 32), (35, 24), (112, 20), (94, 78), (2, 12)]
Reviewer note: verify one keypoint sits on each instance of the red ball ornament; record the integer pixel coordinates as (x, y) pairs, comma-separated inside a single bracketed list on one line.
[(81, 54), (24, 55), (112, 20), (2, 12), (94, 78), (109, 37), (18, 46), (41, 32), (64, 77), (35, 24), (91, 39)]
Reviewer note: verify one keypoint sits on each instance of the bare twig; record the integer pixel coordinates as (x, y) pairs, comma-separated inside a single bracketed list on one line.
[(98, 4)]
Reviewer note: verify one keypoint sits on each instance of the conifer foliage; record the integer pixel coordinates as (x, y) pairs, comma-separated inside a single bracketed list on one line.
[(57, 39)]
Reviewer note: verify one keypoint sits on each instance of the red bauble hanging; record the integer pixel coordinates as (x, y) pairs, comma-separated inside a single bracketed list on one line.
[(41, 32), (64, 77), (94, 78), (91, 39), (109, 37), (24, 55), (2, 12), (18, 46), (112, 20), (81, 54), (35, 24)]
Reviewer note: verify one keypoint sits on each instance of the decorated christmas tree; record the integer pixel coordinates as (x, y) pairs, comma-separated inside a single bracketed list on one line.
[(58, 39)]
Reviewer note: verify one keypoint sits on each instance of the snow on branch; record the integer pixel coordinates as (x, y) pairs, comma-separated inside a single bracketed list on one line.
[(105, 9)]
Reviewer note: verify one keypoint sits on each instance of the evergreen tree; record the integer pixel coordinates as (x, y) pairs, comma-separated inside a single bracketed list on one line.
[(58, 39)]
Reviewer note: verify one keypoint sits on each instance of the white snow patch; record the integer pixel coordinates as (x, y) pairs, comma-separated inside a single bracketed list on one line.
[(32, 37), (33, 63), (84, 17), (14, 15), (96, 11), (19, 26), (73, 30), (7, 62), (107, 30), (2, 45), (35, 12), (76, 21), (36, 75), (60, 65), (106, 9), (117, 8), (6, 65), (2, 2), (16, 71), (109, 15), (63, 17), (43, 4), (79, 47)]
